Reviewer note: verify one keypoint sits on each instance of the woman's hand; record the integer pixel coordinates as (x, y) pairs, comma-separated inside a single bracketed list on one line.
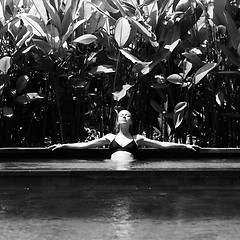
[(192, 147), (55, 146)]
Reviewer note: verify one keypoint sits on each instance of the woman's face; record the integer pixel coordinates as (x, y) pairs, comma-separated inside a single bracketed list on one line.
[(124, 117)]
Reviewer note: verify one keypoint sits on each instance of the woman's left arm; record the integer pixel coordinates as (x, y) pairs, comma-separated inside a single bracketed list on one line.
[(143, 141)]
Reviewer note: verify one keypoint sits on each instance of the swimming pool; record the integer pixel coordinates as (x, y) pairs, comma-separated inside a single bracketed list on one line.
[(118, 213), (84, 199)]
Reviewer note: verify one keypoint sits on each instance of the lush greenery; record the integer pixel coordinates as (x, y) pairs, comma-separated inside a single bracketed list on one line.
[(67, 66)]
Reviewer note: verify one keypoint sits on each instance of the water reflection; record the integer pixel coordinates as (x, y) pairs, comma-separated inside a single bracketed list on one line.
[(118, 213), (118, 165)]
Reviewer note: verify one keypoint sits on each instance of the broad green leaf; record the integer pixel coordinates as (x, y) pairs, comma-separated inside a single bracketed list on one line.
[(67, 20), (187, 66), (21, 83), (146, 3), (28, 97), (157, 107), (180, 107), (7, 111), (53, 37), (121, 9), (203, 71), (96, 21), (151, 10), (193, 58), (71, 28), (178, 118), (172, 38), (110, 6), (34, 24), (22, 37), (55, 19), (159, 85), (86, 39), (103, 69), (229, 53), (2, 17), (42, 45), (175, 79), (122, 31), (117, 96), (39, 5), (183, 5), (220, 98), (232, 29), (9, 25), (129, 56), (103, 13), (179, 111), (150, 36), (5, 64)]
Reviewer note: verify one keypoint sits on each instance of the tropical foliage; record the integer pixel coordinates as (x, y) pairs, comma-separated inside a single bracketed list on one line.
[(67, 66)]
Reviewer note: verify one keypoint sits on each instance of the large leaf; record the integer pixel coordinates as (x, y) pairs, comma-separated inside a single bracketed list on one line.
[(157, 107), (150, 36), (220, 98), (96, 21), (21, 83), (22, 37), (194, 59), (232, 29), (129, 56), (110, 6), (42, 45), (39, 5), (28, 97), (9, 25), (179, 111), (203, 71), (122, 31), (86, 39), (175, 79), (55, 19), (180, 107), (120, 94), (71, 28), (172, 38), (34, 24), (53, 37), (187, 66), (7, 111), (103, 69), (5, 64), (229, 53)]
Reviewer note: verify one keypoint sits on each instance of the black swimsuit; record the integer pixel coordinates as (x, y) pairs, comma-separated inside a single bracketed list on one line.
[(130, 147)]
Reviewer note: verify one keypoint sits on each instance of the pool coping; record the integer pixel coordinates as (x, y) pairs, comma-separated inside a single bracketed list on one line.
[(103, 153)]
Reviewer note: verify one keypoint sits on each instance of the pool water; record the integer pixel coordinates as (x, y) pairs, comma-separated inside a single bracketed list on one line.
[(120, 213)]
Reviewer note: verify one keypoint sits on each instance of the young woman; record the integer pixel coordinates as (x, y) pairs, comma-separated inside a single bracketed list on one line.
[(123, 145)]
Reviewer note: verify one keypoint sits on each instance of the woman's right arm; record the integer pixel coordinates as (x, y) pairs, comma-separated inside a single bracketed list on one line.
[(81, 145)]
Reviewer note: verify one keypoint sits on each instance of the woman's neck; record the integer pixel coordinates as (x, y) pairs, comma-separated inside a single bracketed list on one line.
[(124, 131)]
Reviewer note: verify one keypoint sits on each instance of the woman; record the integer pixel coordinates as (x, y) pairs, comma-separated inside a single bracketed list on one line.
[(123, 145)]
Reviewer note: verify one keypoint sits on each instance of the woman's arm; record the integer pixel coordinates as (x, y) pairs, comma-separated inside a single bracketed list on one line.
[(143, 141), (81, 145)]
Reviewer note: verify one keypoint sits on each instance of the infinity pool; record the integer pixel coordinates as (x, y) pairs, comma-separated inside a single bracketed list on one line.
[(118, 213), (55, 200)]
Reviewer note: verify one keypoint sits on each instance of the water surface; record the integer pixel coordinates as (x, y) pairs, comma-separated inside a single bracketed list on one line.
[(118, 213)]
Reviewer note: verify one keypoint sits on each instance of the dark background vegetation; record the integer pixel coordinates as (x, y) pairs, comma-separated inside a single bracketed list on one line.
[(67, 66)]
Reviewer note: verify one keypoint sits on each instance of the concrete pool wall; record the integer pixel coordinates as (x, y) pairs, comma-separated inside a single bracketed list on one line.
[(175, 168)]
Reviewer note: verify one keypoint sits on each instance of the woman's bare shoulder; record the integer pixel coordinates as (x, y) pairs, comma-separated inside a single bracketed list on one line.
[(138, 137), (109, 136)]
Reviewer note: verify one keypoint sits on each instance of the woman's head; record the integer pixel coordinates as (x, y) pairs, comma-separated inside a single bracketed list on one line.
[(124, 118)]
